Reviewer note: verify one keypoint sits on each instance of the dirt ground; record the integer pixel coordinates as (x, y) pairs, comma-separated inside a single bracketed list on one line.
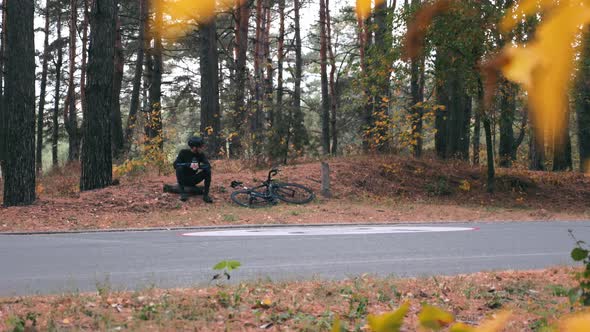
[(365, 189), (535, 298)]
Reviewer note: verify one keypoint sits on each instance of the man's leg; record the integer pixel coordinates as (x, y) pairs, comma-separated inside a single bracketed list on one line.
[(206, 176), (181, 182)]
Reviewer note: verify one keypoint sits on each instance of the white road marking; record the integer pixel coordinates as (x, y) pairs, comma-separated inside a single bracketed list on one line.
[(341, 230)]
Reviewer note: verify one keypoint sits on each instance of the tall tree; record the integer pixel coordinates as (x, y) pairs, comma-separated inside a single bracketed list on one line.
[(45, 64), (325, 114), (297, 133), (134, 106), (582, 104), (332, 82), (536, 148), (210, 110), (2, 108), (116, 123), (19, 184), (268, 78), (156, 64), (70, 114), (417, 83), (57, 98), (96, 150), (562, 145), (257, 120), (508, 143), (241, 51)]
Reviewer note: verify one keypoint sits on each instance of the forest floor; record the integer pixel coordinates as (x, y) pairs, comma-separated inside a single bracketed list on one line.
[(366, 189), (535, 298)]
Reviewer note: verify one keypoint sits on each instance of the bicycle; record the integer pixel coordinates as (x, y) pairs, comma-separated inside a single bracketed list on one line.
[(270, 192)]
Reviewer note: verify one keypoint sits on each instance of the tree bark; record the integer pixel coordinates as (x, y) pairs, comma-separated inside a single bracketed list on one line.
[(507, 110), (256, 122), (118, 140), (582, 104), (333, 97), (268, 79), (39, 158), (325, 114), (134, 106), (20, 180), (96, 150), (490, 154), (536, 149), (297, 133), (476, 136), (417, 79), (57, 98), (562, 146), (155, 90), (210, 110), (70, 116), (240, 112), (2, 107)]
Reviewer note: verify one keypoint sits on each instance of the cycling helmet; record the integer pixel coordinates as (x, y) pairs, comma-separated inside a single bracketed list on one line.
[(196, 142)]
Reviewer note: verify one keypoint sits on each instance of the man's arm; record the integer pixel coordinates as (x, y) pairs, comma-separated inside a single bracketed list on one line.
[(203, 161)]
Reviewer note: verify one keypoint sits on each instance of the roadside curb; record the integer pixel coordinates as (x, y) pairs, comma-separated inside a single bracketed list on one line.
[(223, 227)]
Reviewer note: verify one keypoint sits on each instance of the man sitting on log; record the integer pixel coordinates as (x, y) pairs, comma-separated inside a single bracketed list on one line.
[(192, 167)]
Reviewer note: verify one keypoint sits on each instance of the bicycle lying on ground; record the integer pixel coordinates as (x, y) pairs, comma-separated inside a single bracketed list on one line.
[(270, 192)]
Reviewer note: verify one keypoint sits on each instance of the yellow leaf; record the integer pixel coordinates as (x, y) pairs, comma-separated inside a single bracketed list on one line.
[(434, 318), (523, 8), (336, 327), (495, 324), (390, 321), (363, 8), (460, 327), (546, 65), (576, 323)]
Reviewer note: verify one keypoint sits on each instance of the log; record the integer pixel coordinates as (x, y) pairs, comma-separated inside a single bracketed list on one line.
[(175, 189)]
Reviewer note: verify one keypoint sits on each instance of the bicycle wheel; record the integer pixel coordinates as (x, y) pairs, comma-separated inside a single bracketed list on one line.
[(292, 193), (246, 199)]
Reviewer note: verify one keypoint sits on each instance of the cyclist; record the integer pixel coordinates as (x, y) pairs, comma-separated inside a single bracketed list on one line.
[(192, 167)]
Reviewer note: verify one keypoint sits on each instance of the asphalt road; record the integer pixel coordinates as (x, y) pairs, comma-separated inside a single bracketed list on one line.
[(32, 264)]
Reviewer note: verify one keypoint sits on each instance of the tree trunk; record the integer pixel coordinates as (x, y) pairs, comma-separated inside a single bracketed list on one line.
[(240, 112), (268, 80), (96, 150), (417, 79), (507, 110), (210, 110), (490, 153), (2, 107), (20, 182), (417, 111), (155, 109), (70, 116), (562, 146), (57, 98), (582, 93), (536, 149), (380, 74), (476, 136), (118, 140), (440, 121), (281, 120), (256, 122), (324, 81), (333, 97), (134, 106), (39, 158), (297, 132)]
